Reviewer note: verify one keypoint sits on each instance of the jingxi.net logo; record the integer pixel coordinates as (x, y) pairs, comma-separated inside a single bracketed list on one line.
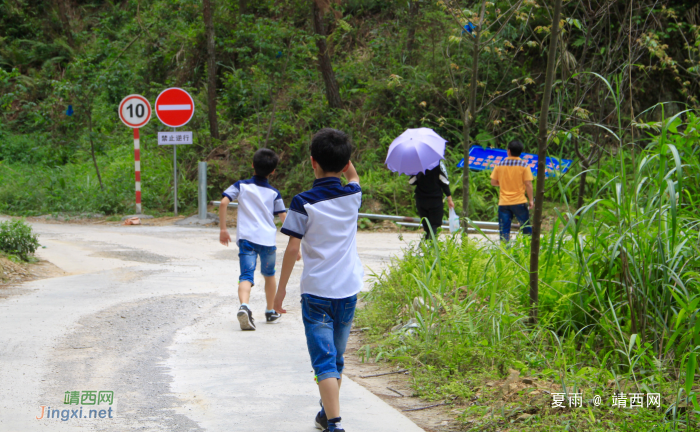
[(89, 405)]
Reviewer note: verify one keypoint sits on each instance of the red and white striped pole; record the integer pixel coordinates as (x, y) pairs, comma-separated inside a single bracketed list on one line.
[(137, 167), (135, 112)]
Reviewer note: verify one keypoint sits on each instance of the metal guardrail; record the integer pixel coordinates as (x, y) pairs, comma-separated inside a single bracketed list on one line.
[(486, 227), (447, 228)]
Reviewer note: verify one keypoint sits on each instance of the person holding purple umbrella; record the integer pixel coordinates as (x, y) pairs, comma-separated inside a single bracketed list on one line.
[(419, 153), (430, 186)]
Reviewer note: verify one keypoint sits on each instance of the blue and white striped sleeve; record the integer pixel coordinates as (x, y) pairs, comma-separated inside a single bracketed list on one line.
[(232, 192), (279, 205), (295, 223)]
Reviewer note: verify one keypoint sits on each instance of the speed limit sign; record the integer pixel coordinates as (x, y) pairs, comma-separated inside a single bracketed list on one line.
[(135, 111)]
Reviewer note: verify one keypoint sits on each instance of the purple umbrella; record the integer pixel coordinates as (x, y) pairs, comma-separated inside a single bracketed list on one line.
[(415, 151)]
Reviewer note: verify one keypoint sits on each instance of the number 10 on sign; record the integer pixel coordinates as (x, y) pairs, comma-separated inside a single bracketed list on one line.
[(135, 112)]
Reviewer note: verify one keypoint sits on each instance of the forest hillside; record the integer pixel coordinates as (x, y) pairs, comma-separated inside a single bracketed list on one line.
[(277, 71)]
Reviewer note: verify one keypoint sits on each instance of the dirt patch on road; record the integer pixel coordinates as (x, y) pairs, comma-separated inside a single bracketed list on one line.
[(133, 255), (123, 349), (13, 274), (395, 389)]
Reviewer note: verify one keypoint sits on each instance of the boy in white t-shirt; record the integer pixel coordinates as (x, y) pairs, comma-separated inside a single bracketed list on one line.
[(323, 222), (258, 203)]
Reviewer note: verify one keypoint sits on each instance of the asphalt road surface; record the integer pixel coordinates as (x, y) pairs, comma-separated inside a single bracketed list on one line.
[(148, 313)]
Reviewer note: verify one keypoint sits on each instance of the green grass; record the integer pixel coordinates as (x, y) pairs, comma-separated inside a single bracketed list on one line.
[(73, 188), (618, 305)]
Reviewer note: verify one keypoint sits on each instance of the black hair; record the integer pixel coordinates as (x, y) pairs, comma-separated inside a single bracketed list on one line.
[(264, 162), (515, 147), (331, 149)]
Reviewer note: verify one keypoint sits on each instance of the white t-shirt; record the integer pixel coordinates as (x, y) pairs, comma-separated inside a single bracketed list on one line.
[(325, 219), (258, 203)]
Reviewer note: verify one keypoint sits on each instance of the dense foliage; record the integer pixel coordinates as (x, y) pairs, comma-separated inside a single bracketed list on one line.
[(17, 238), (398, 64)]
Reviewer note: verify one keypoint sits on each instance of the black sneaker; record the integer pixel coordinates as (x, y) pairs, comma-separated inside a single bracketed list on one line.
[(337, 428), (245, 317), (272, 317), (321, 419)]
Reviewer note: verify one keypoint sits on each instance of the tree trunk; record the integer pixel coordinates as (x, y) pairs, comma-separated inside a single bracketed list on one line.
[(92, 146), (469, 117), (581, 187), (211, 68), (243, 7), (541, 166), (324, 60), (63, 15), (411, 37), (466, 130)]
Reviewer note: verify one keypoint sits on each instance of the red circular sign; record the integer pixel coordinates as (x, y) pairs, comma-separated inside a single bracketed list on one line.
[(174, 107), (135, 111)]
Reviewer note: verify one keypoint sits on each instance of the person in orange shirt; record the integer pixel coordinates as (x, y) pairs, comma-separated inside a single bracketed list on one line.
[(514, 179)]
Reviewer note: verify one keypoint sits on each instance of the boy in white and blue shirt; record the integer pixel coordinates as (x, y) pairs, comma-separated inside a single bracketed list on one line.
[(323, 223), (258, 204)]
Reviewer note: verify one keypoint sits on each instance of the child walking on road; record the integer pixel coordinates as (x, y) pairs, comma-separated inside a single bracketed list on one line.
[(258, 203), (323, 222)]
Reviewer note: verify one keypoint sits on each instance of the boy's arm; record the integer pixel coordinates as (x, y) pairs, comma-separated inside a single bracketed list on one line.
[(351, 174), (224, 237), (445, 185), (494, 177), (282, 217), (528, 189), (290, 257), (527, 179)]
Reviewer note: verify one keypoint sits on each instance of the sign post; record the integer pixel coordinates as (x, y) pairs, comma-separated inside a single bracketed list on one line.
[(202, 189), (175, 178), (174, 108), (135, 112)]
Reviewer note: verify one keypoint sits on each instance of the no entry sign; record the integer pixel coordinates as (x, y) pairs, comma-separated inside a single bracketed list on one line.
[(135, 111), (174, 107)]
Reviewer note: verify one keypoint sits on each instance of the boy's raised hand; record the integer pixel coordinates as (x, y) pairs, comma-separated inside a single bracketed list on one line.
[(351, 173)]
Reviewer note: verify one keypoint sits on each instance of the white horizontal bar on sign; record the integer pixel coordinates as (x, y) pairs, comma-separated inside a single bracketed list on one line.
[(174, 107), (174, 138)]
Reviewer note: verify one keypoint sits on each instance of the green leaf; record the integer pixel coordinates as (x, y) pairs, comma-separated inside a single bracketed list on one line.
[(690, 367), (679, 318)]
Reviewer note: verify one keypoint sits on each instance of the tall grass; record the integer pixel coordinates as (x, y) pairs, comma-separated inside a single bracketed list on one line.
[(73, 188), (619, 296)]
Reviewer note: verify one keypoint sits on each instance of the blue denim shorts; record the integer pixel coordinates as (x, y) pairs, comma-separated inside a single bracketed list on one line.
[(327, 324), (248, 255)]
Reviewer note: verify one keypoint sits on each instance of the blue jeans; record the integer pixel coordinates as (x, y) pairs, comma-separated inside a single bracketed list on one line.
[(327, 324), (248, 255), (505, 217)]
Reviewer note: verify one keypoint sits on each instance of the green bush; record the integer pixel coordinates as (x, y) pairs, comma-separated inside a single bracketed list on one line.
[(17, 238)]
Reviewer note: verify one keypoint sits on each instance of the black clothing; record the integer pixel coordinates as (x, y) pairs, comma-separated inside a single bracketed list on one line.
[(430, 214), (430, 186)]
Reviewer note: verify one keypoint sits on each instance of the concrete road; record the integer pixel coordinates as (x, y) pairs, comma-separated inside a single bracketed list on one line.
[(148, 313)]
